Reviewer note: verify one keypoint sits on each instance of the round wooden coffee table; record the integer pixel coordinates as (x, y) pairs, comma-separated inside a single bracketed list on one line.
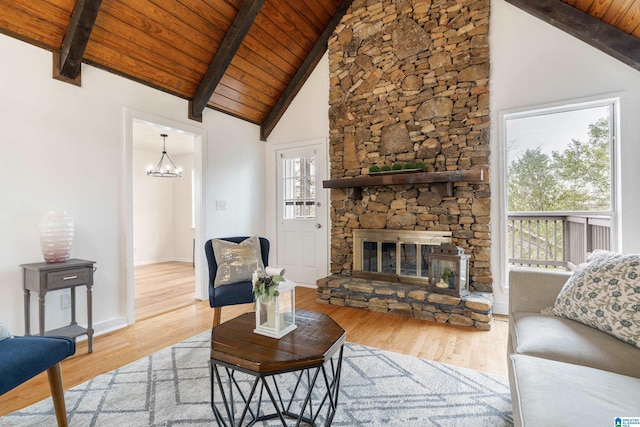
[(298, 375)]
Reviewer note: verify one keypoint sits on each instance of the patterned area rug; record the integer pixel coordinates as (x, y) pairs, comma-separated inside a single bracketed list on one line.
[(378, 388)]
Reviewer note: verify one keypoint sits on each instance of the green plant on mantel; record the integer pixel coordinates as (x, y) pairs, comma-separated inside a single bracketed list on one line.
[(397, 167)]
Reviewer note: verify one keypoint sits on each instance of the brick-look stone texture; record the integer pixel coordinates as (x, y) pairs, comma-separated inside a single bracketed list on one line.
[(409, 81)]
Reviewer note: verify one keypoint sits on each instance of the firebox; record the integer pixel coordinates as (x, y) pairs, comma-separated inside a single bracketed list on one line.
[(395, 255)]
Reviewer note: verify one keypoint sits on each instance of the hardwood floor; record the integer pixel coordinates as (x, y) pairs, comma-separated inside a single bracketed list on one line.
[(479, 350), (163, 287)]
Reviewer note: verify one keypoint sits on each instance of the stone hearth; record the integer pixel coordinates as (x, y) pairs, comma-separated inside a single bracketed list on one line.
[(474, 310)]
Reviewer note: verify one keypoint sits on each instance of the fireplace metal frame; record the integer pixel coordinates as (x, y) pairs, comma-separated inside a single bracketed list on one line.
[(418, 237)]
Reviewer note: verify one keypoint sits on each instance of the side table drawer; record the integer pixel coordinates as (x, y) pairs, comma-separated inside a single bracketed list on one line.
[(66, 278)]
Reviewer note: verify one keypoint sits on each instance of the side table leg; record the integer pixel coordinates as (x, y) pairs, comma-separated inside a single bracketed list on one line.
[(73, 306), (41, 312), (27, 313), (89, 319)]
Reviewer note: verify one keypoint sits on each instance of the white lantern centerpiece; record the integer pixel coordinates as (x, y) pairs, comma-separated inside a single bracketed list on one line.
[(275, 299)]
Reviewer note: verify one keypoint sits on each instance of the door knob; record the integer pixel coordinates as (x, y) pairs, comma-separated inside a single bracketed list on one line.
[(318, 225)]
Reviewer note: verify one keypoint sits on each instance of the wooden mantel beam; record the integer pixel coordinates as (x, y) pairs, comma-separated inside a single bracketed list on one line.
[(221, 60), (68, 63), (303, 73), (585, 27)]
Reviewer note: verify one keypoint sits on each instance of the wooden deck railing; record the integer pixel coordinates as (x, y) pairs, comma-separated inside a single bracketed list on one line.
[(555, 241)]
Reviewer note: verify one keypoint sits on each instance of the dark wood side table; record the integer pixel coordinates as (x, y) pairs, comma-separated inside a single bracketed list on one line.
[(43, 277), (312, 354)]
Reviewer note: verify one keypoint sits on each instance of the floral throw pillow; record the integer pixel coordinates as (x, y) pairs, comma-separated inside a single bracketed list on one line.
[(604, 293), (236, 261)]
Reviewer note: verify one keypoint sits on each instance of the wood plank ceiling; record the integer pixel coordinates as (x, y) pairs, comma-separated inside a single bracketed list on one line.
[(622, 14), (246, 58)]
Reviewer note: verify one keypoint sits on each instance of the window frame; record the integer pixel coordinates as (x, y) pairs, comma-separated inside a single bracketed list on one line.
[(612, 100), (306, 201)]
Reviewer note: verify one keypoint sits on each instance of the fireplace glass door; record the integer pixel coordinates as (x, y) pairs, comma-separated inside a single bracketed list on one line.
[(408, 260), (370, 256), (388, 258), (400, 253), (396, 258), (425, 250)]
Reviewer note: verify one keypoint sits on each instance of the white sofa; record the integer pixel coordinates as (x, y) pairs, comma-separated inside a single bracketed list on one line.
[(561, 372)]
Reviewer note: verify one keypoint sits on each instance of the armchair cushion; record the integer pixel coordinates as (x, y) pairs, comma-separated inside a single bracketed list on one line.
[(22, 358), (236, 261)]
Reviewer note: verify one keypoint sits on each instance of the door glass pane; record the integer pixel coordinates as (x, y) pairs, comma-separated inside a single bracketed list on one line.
[(299, 187)]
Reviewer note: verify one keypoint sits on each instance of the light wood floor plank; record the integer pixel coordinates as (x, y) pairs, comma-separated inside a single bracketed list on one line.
[(470, 348), (163, 287)]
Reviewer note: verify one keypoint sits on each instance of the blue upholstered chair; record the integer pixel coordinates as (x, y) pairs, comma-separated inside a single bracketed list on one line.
[(22, 358), (235, 293)]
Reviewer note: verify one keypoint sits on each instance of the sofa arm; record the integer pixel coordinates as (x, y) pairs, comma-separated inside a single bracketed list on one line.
[(533, 290)]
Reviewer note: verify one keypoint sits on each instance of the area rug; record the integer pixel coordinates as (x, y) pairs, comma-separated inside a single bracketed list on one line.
[(378, 388)]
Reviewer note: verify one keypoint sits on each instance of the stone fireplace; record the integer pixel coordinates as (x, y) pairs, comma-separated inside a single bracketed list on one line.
[(409, 82)]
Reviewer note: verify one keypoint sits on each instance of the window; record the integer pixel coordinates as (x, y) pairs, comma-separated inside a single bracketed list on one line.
[(560, 187), (299, 184)]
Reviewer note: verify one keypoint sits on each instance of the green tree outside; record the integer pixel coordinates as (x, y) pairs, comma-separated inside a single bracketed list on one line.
[(577, 178)]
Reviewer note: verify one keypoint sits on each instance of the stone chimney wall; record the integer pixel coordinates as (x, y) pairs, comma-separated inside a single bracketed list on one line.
[(409, 81)]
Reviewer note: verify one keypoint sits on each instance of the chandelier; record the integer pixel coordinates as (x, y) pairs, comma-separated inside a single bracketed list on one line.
[(164, 169)]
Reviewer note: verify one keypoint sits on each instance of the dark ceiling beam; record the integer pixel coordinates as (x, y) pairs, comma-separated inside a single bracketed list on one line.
[(303, 73), (69, 60), (221, 60), (585, 27)]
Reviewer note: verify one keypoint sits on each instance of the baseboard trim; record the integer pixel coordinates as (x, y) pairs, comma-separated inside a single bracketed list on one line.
[(158, 261), (106, 327), (306, 285), (500, 308)]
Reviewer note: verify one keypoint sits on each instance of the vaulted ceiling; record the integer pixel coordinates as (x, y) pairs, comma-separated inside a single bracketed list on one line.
[(622, 14), (246, 58)]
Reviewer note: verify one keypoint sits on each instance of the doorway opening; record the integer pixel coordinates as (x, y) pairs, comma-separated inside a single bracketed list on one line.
[(164, 220)]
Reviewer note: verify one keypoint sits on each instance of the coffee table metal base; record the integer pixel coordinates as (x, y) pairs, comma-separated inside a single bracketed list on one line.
[(241, 400)]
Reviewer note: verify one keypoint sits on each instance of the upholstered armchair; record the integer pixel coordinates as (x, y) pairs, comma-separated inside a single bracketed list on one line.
[(22, 358), (233, 291)]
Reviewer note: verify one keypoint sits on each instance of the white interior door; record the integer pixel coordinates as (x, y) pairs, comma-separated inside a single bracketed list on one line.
[(302, 214)]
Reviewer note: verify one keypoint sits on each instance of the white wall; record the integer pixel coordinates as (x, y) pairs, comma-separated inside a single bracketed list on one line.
[(162, 224), (183, 233), (535, 64), (63, 148), (235, 175), (308, 115)]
